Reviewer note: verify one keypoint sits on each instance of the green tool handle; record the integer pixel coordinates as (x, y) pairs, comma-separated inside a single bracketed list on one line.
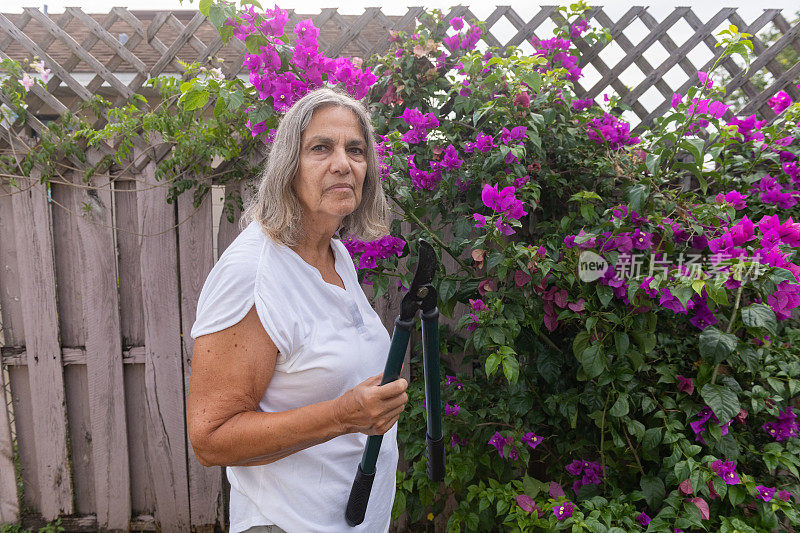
[(433, 395), (362, 484)]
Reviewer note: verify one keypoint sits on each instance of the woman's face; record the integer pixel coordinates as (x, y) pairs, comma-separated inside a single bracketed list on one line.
[(332, 166)]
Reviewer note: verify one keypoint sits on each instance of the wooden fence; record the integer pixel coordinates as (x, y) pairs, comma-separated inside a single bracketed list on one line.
[(96, 306)]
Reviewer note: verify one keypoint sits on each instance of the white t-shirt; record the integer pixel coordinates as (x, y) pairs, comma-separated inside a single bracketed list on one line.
[(330, 339)]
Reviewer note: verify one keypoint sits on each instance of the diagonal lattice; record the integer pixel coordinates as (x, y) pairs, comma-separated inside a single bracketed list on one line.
[(115, 53)]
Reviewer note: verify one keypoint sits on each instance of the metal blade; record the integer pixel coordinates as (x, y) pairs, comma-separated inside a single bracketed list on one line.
[(426, 267)]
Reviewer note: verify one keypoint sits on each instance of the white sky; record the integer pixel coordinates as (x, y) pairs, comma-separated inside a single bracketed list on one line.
[(748, 9)]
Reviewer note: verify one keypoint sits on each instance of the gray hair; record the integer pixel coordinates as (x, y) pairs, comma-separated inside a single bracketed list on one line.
[(275, 206)]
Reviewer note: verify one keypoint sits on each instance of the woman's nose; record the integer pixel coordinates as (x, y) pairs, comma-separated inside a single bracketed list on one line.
[(339, 162)]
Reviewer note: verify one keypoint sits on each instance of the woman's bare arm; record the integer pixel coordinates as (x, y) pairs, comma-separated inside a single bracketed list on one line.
[(231, 370)]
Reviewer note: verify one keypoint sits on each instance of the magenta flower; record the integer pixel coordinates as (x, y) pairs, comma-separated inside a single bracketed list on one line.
[(521, 278), (514, 134), (484, 142), (450, 158), (780, 102), (727, 471), (735, 198), (685, 385), (702, 506), (643, 519), (451, 410), (575, 467), (580, 105), (765, 493), (502, 201), (457, 23), (784, 300), (456, 440), (563, 511), (705, 79), (784, 495), (532, 439), (676, 100), (498, 441)]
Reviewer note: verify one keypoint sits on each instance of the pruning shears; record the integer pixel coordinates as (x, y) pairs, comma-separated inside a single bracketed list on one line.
[(422, 297)]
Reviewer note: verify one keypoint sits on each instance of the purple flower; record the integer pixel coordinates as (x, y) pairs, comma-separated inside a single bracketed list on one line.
[(480, 220), (765, 493), (643, 519), (580, 105), (575, 467), (451, 409), (498, 441), (672, 303), (419, 125), (609, 129), (450, 158), (676, 99), (784, 495), (484, 142), (727, 471), (522, 100), (457, 23), (456, 440), (563, 511), (784, 427), (532, 439)]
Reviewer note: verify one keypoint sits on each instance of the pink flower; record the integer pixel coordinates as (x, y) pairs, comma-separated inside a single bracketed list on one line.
[(485, 286), (578, 306), (702, 506), (686, 487), (480, 220), (451, 409), (676, 99), (457, 23), (521, 278), (685, 385), (526, 503), (522, 100), (780, 102), (26, 82)]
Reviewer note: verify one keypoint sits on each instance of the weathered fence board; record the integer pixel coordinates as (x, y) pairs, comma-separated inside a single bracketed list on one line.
[(103, 348), (38, 295), (165, 409), (12, 326), (25, 436), (196, 260), (9, 504)]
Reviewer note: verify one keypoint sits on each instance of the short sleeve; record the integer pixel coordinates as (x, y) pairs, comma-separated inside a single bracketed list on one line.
[(227, 294)]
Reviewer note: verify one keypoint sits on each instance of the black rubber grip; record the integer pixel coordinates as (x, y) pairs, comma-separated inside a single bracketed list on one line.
[(435, 454), (359, 498)]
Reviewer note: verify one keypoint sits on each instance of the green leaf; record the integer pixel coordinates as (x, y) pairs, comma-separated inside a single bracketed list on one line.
[(492, 362), (653, 490), (194, 99), (580, 343), (652, 438), (717, 293), (511, 368), (605, 294), (622, 342), (593, 361), (216, 15), (533, 80), (204, 5), (715, 345), (645, 340), (760, 316), (255, 42), (723, 401), (637, 196), (620, 407), (235, 100), (652, 162), (549, 366)]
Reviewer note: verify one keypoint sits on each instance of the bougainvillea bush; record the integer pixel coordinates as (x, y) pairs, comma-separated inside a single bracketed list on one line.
[(629, 354)]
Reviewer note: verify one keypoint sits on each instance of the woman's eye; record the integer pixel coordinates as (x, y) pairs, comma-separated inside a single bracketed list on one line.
[(357, 151), (318, 148)]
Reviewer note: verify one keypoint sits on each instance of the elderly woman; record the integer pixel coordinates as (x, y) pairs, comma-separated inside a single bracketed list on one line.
[(285, 382)]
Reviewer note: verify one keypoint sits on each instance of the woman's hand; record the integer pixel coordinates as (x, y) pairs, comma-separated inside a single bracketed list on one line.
[(371, 408)]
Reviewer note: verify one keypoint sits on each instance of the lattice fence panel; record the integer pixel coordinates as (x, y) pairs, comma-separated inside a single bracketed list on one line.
[(115, 53)]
